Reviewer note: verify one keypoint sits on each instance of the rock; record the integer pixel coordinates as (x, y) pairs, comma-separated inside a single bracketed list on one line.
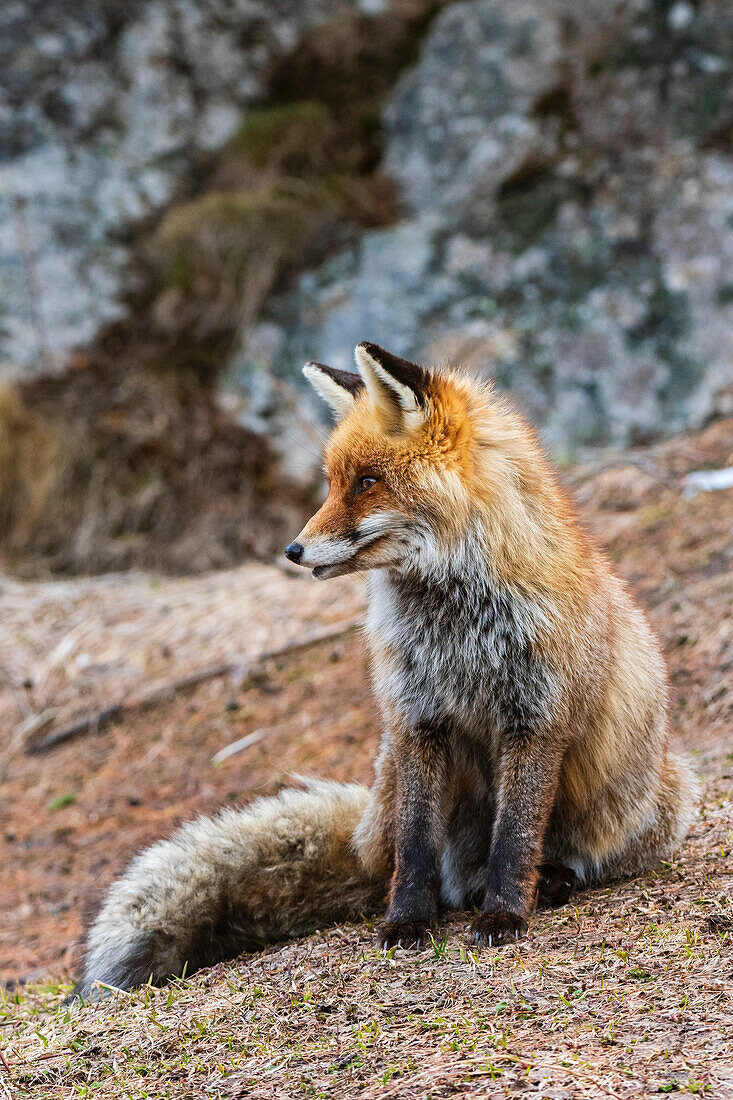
[(104, 109), (284, 415), (461, 122), (566, 177)]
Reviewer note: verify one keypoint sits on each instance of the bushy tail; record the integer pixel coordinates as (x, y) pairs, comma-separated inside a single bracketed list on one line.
[(679, 795), (231, 883)]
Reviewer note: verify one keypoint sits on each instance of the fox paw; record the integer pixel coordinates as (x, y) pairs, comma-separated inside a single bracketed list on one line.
[(555, 884), (494, 929), (410, 933)]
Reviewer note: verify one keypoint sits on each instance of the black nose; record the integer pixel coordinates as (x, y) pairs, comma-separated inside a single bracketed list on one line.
[(294, 552)]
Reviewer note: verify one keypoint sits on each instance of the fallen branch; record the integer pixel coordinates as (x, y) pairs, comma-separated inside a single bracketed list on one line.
[(158, 692), (33, 727)]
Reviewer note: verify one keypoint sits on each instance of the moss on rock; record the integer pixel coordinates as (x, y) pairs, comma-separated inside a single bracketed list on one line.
[(297, 138)]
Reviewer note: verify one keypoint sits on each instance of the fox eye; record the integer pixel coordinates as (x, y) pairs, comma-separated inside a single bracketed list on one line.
[(365, 483)]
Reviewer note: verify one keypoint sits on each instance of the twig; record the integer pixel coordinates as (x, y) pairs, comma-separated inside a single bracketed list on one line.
[(157, 693), (99, 720), (46, 1057), (238, 746), (33, 726), (5, 1062)]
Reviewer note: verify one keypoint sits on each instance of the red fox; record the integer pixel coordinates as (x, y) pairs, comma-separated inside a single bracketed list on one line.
[(525, 749)]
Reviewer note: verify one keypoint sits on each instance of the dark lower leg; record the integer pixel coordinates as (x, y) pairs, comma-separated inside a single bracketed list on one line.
[(420, 830), (528, 771)]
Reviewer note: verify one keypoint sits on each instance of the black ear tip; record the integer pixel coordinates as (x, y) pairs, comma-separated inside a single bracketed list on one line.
[(409, 374), (346, 379), (380, 355)]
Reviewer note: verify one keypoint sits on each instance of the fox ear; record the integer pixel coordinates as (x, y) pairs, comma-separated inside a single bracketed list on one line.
[(339, 388), (397, 387)]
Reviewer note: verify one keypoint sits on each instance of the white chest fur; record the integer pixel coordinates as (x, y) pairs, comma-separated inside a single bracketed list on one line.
[(456, 649)]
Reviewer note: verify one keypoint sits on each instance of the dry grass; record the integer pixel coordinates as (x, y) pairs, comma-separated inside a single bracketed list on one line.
[(221, 254), (34, 466), (625, 993)]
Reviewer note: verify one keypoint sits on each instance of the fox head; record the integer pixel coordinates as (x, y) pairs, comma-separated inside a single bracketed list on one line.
[(429, 468), (399, 465)]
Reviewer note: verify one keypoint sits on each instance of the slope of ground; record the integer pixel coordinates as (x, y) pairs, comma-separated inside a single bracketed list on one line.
[(625, 992)]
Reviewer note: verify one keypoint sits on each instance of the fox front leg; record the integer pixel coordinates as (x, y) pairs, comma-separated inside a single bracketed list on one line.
[(527, 782), (421, 759)]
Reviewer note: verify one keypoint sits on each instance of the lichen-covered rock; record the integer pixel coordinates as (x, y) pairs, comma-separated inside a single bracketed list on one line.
[(566, 174), (104, 108), (462, 122)]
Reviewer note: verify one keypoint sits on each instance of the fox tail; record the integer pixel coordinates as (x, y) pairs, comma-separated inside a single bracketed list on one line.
[(231, 883)]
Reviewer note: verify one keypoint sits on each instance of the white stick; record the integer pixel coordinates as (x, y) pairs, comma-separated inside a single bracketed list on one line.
[(237, 746)]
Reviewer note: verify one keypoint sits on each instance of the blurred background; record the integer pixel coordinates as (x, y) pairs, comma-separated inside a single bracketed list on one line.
[(196, 197)]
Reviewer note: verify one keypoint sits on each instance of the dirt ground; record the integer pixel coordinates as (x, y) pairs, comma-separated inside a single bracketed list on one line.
[(625, 992)]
